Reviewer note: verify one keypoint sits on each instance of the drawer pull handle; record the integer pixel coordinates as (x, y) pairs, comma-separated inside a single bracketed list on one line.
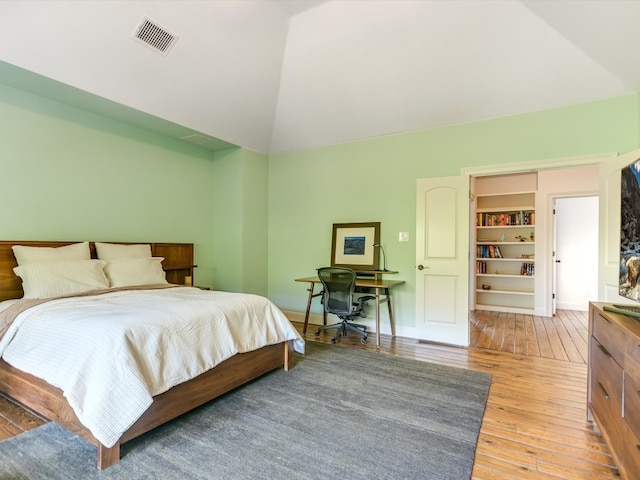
[(604, 391), (604, 350)]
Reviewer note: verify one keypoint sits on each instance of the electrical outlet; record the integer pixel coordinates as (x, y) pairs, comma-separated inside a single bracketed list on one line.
[(403, 237)]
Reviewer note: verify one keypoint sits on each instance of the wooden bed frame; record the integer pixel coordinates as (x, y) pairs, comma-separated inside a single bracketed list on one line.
[(49, 402)]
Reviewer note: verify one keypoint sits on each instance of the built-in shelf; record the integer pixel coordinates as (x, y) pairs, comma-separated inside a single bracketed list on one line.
[(505, 243), (487, 242), (514, 259), (489, 227), (504, 308), (515, 208), (506, 292), (503, 275)]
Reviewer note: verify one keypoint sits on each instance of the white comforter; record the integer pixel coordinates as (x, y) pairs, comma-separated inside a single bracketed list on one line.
[(111, 353)]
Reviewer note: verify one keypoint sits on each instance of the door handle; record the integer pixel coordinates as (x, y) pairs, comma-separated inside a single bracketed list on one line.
[(421, 267)]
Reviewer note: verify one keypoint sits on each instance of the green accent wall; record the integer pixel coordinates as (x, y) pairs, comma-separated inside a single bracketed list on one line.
[(74, 174), (240, 218), (69, 174), (375, 180)]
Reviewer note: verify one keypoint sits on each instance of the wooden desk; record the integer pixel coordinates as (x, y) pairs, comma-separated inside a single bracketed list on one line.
[(379, 287)]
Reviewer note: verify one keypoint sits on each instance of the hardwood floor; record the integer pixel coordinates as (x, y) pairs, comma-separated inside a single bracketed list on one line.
[(563, 337), (534, 426)]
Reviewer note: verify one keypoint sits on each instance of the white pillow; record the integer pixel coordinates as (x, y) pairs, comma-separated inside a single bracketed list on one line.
[(113, 251), (76, 251), (129, 272), (54, 279)]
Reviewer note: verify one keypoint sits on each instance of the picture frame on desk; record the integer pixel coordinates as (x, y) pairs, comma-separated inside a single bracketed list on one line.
[(353, 245)]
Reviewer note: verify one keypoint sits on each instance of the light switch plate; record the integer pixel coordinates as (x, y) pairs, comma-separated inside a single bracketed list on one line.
[(403, 237)]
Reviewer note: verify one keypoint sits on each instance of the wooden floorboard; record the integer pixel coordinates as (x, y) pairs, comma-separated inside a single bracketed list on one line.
[(15, 419), (534, 426), (562, 337)]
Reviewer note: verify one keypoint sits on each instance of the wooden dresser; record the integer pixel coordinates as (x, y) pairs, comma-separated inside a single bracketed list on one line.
[(613, 395)]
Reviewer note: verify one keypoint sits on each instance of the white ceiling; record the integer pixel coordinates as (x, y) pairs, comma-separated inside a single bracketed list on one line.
[(276, 76)]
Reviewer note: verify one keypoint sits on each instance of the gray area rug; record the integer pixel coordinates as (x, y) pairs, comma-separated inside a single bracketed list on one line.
[(340, 413)]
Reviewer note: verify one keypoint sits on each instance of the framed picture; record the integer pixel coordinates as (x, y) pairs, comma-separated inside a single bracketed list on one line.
[(354, 245)]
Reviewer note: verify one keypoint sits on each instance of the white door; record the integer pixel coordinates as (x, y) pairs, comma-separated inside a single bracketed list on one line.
[(442, 260), (609, 224), (576, 252)]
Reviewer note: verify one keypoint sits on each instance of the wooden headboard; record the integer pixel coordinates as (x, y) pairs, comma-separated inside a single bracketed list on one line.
[(177, 263)]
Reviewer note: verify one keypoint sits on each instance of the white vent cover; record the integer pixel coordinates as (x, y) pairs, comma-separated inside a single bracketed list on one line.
[(153, 35)]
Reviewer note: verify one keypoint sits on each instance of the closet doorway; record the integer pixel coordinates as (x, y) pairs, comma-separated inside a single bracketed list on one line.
[(573, 233)]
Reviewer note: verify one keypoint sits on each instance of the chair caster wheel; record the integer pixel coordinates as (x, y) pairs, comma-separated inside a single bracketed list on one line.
[(317, 333), (333, 340), (364, 340)]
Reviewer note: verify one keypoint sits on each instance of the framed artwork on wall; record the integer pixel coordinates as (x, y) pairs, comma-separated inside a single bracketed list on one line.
[(354, 245), (629, 277)]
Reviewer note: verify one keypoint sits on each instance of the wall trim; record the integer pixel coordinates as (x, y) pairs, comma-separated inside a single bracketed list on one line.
[(537, 165), (293, 316)]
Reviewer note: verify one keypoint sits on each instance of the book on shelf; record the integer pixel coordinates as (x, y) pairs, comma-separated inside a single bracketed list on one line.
[(524, 218), (528, 269), (488, 251)]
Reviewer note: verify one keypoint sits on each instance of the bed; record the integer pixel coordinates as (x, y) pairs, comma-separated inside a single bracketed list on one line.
[(237, 366)]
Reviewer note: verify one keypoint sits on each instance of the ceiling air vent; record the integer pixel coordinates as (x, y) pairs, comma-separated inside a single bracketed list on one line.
[(154, 36)]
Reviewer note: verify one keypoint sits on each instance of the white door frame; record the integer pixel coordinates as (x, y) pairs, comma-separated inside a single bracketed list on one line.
[(554, 264), (535, 166)]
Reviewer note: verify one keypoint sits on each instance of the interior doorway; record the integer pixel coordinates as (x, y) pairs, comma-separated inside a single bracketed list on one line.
[(575, 267), (579, 182)]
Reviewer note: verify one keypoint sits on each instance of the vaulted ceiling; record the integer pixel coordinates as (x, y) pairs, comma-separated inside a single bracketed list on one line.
[(282, 75)]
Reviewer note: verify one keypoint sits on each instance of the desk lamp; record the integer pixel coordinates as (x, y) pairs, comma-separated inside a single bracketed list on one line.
[(384, 256)]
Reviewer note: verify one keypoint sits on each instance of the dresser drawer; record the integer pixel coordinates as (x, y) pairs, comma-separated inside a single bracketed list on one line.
[(632, 404), (614, 385), (629, 455), (632, 358), (611, 336), (606, 386)]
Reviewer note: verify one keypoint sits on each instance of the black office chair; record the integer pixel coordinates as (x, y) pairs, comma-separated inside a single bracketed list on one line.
[(337, 298)]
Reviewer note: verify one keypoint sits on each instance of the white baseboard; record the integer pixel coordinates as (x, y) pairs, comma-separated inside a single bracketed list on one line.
[(314, 319), (369, 321)]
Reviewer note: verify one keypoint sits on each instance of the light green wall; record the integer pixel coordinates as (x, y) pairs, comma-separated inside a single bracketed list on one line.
[(227, 214), (240, 215), (255, 218), (67, 174), (375, 180), (70, 174), (258, 222)]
